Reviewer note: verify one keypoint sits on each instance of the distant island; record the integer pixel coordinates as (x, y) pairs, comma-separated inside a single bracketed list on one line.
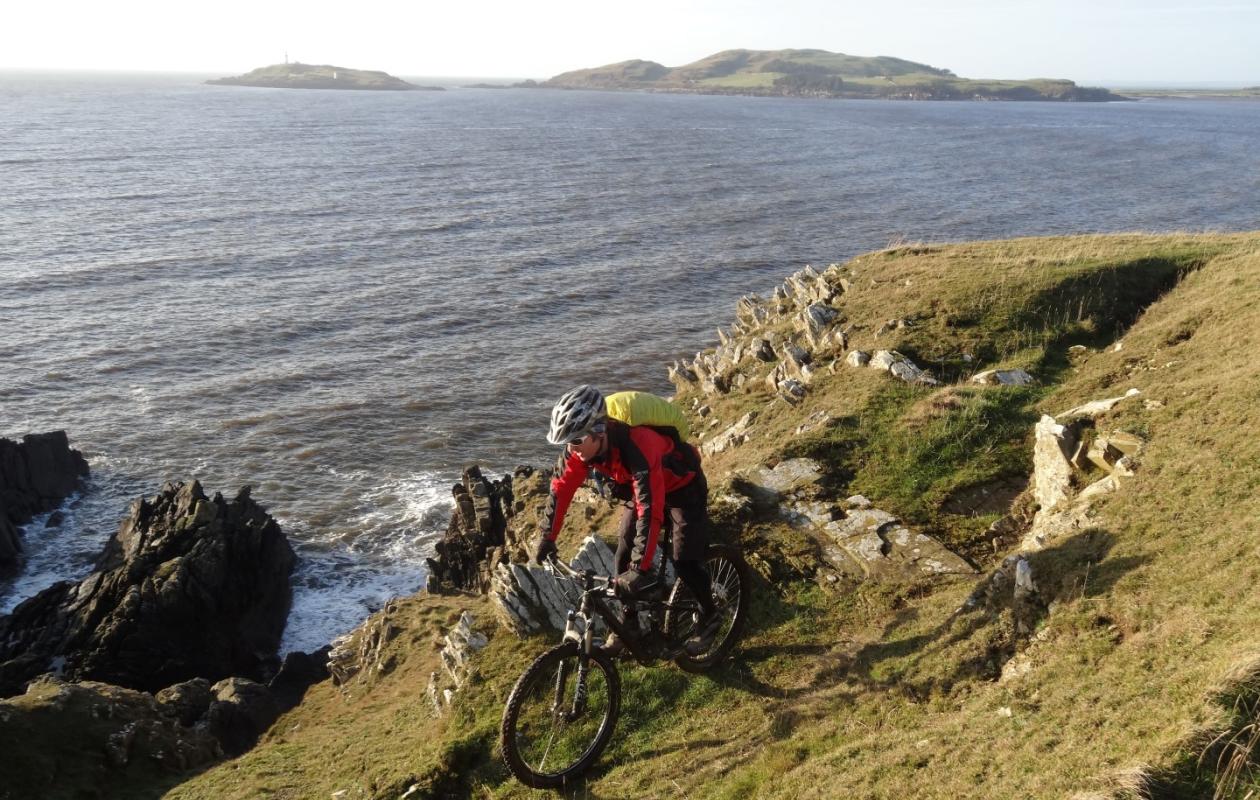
[(815, 73), (320, 76)]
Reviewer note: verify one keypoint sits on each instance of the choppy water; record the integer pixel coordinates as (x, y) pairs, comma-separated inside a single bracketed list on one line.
[(342, 298)]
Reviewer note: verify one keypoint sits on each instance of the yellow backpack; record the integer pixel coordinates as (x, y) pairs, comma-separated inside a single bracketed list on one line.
[(644, 408)]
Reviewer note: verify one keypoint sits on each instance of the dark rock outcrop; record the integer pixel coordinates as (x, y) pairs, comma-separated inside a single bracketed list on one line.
[(92, 735), (36, 474), (478, 536), (188, 587), (241, 711), (299, 672)]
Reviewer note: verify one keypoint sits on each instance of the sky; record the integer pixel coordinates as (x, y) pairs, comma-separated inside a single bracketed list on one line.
[(1112, 42)]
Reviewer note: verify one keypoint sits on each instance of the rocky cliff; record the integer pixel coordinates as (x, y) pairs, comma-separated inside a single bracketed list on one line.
[(35, 476), (189, 587)]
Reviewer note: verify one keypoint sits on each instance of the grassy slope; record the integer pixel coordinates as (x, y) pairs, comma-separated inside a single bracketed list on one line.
[(884, 691)]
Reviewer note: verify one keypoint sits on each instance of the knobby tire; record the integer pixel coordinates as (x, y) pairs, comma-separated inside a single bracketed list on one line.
[(539, 684), (730, 574)]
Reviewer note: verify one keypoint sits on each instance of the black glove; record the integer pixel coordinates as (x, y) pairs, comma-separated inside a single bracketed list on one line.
[(633, 584), (544, 548)]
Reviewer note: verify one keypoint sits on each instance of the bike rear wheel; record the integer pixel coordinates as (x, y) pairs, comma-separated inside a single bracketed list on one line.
[(732, 583), (550, 735)]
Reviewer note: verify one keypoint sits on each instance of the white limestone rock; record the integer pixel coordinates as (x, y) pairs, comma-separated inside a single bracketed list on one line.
[(900, 367), (857, 358), (1003, 377), (1052, 465), (1096, 408), (733, 436), (529, 598), (790, 475), (886, 550)]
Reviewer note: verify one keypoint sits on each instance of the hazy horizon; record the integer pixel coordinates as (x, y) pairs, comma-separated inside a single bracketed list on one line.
[(1105, 42)]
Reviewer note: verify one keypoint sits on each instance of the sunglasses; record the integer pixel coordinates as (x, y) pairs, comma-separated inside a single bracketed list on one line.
[(598, 429)]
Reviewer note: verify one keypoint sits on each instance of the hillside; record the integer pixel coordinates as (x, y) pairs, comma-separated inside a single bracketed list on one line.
[(321, 76), (1129, 667), (816, 73)]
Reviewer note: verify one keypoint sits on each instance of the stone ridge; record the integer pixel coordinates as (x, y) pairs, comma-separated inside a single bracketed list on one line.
[(188, 587)]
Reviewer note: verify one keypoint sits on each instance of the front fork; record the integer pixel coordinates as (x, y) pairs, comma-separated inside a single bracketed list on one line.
[(578, 630)]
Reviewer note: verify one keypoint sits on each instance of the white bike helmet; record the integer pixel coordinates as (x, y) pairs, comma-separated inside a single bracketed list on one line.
[(576, 414)]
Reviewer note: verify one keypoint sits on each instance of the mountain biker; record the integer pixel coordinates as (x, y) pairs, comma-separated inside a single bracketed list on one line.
[(660, 473)]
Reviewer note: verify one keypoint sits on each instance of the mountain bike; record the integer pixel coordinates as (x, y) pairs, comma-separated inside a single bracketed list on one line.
[(561, 714)]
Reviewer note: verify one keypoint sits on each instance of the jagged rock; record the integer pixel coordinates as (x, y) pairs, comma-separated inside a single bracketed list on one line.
[(1096, 408), (361, 654), (529, 598), (681, 375), (242, 711), (857, 358), (816, 317), (704, 411), (477, 536), (1003, 377), (188, 587), (460, 644), (858, 501), (774, 378), (187, 701), (871, 544), (733, 436), (764, 351), (751, 312), (792, 390), (36, 475)]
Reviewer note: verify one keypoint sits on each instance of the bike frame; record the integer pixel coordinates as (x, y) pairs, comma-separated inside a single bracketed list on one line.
[(595, 590)]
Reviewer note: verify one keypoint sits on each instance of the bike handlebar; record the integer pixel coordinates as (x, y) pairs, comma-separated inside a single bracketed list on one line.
[(553, 562)]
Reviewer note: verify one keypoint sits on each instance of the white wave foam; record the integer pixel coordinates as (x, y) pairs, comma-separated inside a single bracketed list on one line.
[(345, 574)]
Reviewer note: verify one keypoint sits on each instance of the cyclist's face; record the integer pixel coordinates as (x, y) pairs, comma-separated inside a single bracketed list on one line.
[(587, 447)]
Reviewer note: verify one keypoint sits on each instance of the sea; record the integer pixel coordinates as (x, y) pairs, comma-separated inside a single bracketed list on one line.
[(342, 299)]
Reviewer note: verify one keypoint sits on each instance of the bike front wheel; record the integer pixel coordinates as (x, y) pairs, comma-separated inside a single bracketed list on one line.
[(560, 716)]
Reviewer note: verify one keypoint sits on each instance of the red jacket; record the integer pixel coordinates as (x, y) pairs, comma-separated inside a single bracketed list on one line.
[(637, 456)]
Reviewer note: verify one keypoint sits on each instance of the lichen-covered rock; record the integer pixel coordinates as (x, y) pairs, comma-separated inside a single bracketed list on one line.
[(870, 544), (1053, 446), (789, 475), (189, 587), (95, 734), (187, 701), (242, 710)]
